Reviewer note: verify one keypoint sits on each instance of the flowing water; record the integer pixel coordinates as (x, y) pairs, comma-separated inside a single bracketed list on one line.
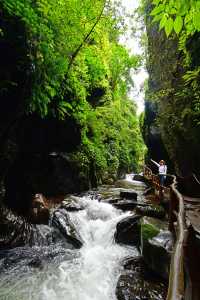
[(88, 273)]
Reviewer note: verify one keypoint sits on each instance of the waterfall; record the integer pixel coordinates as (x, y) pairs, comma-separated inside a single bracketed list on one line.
[(88, 273)]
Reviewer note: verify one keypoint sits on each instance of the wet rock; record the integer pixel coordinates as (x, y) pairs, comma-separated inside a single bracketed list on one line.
[(128, 231), (156, 246), (15, 231), (125, 205), (155, 211), (135, 284), (128, 194), (72, 203), (62, 221), (138, 177)]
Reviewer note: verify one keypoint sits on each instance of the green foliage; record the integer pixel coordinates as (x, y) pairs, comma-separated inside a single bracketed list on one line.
[(56, 30), (177, 15), (80, 70)]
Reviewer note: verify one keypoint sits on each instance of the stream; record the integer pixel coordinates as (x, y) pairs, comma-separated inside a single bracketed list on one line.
[(51, 269)]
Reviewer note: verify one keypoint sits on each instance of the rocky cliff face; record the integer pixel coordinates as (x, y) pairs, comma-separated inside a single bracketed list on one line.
[(33, 150), (173, 111)]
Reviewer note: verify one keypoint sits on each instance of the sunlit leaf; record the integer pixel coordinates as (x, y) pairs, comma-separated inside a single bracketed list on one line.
[(157, 9), (163, 22), (157, 18), (169, 26), (196, 20), (178, 24)]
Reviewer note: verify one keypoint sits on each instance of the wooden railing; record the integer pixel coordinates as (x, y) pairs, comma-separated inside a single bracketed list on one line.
[(155, 181), (176, 287), (177, 226)]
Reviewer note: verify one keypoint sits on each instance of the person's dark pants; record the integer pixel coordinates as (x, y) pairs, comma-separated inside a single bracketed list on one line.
[(162, 179)]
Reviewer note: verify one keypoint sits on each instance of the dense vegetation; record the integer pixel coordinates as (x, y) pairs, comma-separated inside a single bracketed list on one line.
[(173, 63), (77, 69)]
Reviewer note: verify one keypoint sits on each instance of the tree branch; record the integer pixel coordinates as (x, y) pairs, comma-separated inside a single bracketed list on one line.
[(74, 55)]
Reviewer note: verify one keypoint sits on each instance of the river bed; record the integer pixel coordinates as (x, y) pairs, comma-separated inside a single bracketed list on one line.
[(52, 271)]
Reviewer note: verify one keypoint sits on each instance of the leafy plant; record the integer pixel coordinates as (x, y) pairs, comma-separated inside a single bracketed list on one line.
[(176, 16)]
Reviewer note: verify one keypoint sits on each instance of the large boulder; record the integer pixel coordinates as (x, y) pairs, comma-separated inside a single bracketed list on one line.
[(62, 221), (156, 246), (128, 231)]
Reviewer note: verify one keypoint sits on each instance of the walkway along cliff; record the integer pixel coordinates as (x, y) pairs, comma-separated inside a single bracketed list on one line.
[(184, 223)]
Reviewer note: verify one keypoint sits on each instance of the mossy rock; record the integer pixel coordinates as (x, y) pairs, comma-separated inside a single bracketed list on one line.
[(148, 231), (156, 244)]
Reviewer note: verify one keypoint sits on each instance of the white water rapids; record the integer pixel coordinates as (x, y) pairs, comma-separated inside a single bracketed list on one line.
[(90, 274), (94, 274)]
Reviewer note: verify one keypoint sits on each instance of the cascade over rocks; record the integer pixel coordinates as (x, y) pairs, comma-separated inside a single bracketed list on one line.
[(60, 240)]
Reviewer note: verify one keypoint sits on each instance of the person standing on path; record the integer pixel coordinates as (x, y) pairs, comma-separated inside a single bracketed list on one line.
[(162, 169)]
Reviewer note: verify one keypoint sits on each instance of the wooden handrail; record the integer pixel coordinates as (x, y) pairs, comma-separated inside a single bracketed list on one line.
[(176, 287)]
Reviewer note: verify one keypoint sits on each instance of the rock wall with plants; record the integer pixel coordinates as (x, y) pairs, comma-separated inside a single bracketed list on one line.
[(173, 86)]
